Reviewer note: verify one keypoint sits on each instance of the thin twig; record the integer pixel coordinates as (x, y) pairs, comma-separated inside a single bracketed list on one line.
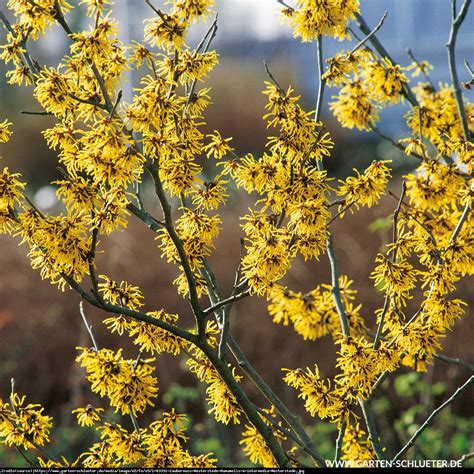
[(225, 330), (469, 68), (211, 33), (340, 439), (87, 101), (361, 23), (456, 361), (394, 143), (465, 457), (343, 210), (451, 45), (322, 82), (422, 69), (405, 327), (230, 299), (381, 379), (461, 221), (88, 326), (32, 64), (411, 216), (371, 428), (28, 112), (166, 208), (428, 421), (272, 78), (394, 257), (364, 40), (144, 216), (281, 2), (158, 12), (114, 108)]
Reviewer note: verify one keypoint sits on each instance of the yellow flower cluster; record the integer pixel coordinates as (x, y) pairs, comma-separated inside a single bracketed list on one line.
[(5, 132), (223, 403), (159, 445), (365, 189), (312, 18), (356, 446), (313, 314), (254, 444), (23, 425), (59, 245), (366, 85), (129, 385), (360, 366), (438, 120), (290, 184), (11, 191), (104, 146)]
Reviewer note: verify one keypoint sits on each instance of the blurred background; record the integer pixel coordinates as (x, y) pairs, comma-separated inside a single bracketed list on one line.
[(40, 327)]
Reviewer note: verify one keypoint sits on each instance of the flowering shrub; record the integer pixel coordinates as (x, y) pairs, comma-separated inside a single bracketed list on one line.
[(105, 146)]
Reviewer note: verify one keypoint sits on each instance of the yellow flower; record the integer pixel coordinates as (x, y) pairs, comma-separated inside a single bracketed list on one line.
[(5, 132), (367, 188), (343, 64), (385, 81), (396, 278), (24, 424), (313, 18), (255, 447), (153, 339), (354, 106), (419, 67), (166, 32), (359, 364), (319, 398), (88, 416), (213, 194), (225, 407), (124, 294), (356, 446), (218, 146)]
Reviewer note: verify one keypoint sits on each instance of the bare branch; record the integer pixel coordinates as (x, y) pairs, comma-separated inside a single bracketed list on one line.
[(394, 257), (456, 361), (451, 45), (384, 54), (87, 325), (340, 439), (430, 418), (372, 33)]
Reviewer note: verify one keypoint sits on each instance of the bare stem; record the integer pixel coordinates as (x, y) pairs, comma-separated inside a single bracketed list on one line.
[(429, 420), (456, 361), (230, 299), (371, 428), (372, 33), (427, 77), (451, 45), (361, 23), (394, 257), (340, 439), (87, 325), (166, 207), (211, 33), (322, 82)]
